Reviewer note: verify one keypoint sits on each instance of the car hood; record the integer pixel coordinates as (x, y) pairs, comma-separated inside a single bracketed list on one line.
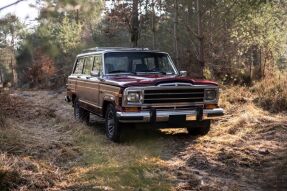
[(152, 80)]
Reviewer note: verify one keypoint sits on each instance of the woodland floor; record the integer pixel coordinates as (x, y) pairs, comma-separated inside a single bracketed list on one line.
[(43, 148)]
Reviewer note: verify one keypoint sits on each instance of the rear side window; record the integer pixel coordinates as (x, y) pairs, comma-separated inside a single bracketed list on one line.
[(88, 65), (98, 63), (79, 66)]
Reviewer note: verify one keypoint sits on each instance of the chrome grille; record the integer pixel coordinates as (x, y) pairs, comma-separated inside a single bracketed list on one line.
[(182, 95)]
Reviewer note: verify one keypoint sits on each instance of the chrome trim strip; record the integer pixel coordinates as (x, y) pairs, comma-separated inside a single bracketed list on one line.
[(85, 87), (174, 98), (163, 116), (176, 84), (89, 103)]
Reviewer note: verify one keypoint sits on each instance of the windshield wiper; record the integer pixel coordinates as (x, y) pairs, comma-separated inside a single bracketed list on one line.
[(157, 72), (121, 72)]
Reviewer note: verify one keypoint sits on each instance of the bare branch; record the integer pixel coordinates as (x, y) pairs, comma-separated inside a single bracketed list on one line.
[(15, 3)]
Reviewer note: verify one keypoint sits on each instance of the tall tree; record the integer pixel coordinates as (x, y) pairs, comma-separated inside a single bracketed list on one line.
[(200, 37), (135, 23), (175, 32), (12, 30)]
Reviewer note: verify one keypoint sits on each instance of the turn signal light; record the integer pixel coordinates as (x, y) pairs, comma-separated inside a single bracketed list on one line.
[(131, 109), (211, 106)]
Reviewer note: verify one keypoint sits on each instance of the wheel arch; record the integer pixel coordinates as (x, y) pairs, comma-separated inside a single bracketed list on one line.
[(105, 105), (74, 97)]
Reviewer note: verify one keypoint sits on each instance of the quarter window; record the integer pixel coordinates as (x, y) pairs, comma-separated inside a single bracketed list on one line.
[(79, 66), (97, 63), (88, 65)]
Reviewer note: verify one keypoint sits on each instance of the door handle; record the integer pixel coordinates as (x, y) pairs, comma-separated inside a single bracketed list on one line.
[(88, 77)]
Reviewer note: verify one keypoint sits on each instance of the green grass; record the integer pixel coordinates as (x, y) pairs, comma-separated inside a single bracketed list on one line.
[(134, 164)]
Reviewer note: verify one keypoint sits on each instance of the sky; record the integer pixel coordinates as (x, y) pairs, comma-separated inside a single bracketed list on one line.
[(26, 13)]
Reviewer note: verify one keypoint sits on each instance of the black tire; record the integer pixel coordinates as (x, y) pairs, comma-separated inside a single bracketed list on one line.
[(80, 113), (199, 128), (112, 125)]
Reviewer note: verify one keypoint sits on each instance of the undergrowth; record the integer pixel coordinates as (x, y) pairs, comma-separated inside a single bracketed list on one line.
[(4, 101), (271, 93)]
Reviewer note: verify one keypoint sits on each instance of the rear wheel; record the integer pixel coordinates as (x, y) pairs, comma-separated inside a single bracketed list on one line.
[(199, 128), (80, 113), (112, 125)]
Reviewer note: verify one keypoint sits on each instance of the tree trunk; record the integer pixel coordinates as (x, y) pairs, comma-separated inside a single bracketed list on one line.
[(153, 26), (13, 62), (250, 67), (200, 38), (175, 35), (135, 24)]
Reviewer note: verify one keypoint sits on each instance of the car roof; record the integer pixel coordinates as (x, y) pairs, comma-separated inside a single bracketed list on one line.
[(102, 50)]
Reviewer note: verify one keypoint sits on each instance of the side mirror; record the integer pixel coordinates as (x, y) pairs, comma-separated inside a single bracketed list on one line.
[(183, 73), (95, 73)]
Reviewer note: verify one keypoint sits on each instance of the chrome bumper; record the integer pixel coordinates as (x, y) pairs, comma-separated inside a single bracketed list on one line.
[(164, 116)]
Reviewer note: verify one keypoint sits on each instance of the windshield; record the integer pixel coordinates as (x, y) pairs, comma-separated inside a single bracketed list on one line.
[(138, 63)]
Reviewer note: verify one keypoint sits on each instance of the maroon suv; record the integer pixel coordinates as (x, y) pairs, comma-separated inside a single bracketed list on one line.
[(135, 85)]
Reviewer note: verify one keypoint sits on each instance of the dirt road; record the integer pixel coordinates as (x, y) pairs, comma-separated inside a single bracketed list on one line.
[(43, 148)]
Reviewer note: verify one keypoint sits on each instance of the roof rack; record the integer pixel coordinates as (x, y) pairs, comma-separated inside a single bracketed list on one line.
[(95, 49)]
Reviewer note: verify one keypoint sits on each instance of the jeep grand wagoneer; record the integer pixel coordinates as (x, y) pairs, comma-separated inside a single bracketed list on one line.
[(136, 85)]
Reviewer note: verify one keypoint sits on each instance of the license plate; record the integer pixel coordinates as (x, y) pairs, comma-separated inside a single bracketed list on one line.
[(177, 118)]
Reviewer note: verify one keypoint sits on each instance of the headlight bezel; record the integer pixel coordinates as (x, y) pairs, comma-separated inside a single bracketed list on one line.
[(136, 93), (133, 97), (210, 95)]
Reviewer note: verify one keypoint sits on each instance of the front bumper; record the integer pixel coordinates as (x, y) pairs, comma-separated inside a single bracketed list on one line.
[(166, 115)]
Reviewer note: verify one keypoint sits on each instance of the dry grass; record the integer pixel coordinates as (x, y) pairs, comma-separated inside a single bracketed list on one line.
[(242, 151), (42, 148), (271, 93), (4, 99), (24, 173), (233, 96)]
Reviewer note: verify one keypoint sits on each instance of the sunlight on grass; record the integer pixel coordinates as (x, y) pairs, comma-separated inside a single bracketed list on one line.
[(134, 164)]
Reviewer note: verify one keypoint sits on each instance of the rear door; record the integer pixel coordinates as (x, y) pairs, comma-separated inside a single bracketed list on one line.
[(76, 73), (88, 86)]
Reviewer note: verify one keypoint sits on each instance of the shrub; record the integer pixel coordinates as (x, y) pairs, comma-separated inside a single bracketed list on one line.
[(272, 93), (232, 96)]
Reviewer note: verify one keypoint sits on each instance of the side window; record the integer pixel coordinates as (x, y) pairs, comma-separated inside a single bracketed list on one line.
[(97, 63), (88, 65), (79, 66)]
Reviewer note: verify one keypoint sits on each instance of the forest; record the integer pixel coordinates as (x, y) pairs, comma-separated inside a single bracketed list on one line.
[(242, 45)]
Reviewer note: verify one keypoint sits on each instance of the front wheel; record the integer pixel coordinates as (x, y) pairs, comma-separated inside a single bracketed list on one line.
[(112, 125), (199, 128)]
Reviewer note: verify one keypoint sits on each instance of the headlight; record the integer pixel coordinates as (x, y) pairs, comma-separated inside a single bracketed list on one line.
[(210, 95), (133, 97)]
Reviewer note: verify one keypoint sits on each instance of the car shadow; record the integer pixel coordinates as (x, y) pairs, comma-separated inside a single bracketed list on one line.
[(172, 140)]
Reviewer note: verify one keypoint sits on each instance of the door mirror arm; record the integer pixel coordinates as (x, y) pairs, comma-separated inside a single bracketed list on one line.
[(183, 73)]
